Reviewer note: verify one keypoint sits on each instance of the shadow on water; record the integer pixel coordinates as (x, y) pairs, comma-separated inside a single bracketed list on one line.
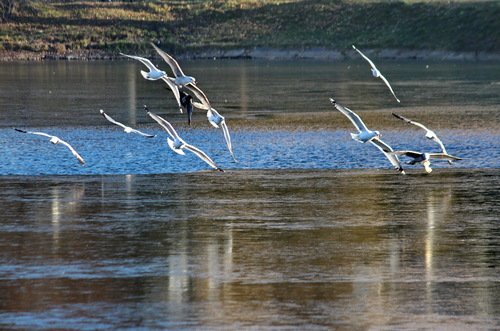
[(267, 249)]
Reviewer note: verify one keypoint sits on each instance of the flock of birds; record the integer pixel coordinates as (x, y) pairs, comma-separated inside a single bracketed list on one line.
[(366, 135), (185, 89)]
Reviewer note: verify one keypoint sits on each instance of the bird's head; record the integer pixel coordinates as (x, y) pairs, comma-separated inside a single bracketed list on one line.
[(378, 134)]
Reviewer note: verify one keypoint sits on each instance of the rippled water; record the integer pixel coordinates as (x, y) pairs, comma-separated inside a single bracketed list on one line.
[(310, 230), (263, 249)]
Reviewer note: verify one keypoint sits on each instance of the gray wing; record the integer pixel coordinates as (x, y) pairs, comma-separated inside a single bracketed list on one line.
[(365, 57), (110, 119), (227, 137), (143, 60), (164, 124), (147, 135), (389, 86), (411, 154), (73, 151), (387, 150), (176, 68), (355, 119), (201, 155), (443, 156), (174, 89), (205, 104), (409, 121)]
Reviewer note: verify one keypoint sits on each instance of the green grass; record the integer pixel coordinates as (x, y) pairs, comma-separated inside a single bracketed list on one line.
[(108, 27)]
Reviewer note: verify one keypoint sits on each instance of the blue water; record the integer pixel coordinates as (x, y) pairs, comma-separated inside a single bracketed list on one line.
[(111, 151)]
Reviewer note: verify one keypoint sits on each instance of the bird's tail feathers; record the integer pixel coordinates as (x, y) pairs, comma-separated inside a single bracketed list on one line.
[(171, 144), (355, 136), (145, 75)]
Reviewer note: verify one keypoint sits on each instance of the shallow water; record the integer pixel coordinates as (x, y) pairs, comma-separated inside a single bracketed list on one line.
[(309, 230), (111, 151)]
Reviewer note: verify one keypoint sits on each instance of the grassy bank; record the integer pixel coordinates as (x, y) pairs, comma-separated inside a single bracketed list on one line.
[(40, 29)]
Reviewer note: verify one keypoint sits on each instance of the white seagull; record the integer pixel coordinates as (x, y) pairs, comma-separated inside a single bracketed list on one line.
[(177, 144), (376, 72), (429, 134), (425, 158), (365, 135), (127, 129), (213, 116), (180, 78), (56, 140), (153, 74)]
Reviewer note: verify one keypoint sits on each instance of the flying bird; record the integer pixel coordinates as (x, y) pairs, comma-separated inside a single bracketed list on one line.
[(425, 158), (376, 72), (429, 134), (56, 140), (180, 78), (177, 144), (365, 135), (213, 116), (153, 74), (127, 129)]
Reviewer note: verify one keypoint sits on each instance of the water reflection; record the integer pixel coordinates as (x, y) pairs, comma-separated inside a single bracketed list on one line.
[(70, 93), (314, 249)]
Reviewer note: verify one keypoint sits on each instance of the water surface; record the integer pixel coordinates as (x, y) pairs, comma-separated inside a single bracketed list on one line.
[(261, 249), (309, 230)]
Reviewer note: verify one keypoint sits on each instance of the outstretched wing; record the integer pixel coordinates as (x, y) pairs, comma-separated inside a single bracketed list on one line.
[(365, 57), (440, 143), (147, 135), (176, 68), (200, 95), (389, 86), (175, 90), (387, 150), (143, 60), (227, 137), (407, 120), (443, 156), (163, 123), (201, 155), (355, 119), (110, 119), (36, 133), (411, 154), (73, 151)]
